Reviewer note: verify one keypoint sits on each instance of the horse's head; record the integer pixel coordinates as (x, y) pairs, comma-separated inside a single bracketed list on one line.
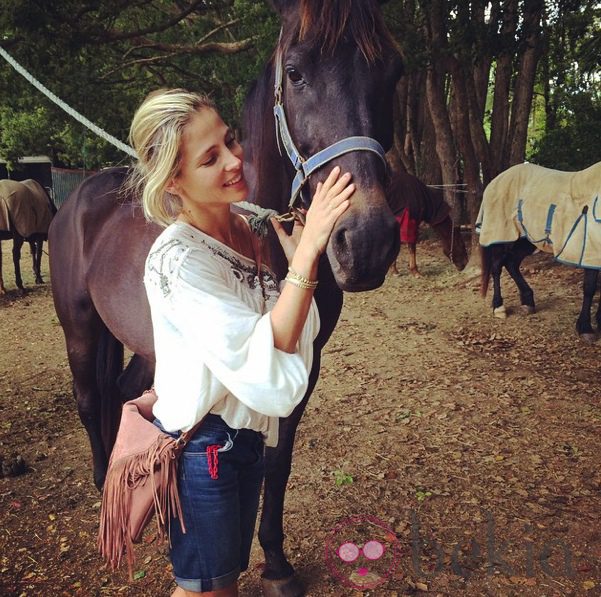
[(339, 69), (453, 245)]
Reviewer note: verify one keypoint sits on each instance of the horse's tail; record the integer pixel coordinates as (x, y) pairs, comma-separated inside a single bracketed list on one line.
[(486, 264), (109, 366)]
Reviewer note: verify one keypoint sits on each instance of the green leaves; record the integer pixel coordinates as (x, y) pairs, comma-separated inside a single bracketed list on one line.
[(103, 58), (341, 478)]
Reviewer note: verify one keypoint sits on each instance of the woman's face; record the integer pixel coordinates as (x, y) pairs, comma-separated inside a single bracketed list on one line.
[(210, 171)]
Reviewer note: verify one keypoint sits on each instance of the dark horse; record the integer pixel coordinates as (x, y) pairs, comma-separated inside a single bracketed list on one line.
[(26, 211), (510, 257), (548, 209), (426, 204), (340, 69)]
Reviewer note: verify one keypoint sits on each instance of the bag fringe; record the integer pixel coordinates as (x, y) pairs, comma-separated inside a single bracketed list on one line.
[(156, 466)]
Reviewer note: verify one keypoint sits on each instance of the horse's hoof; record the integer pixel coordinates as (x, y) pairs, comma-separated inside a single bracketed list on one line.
[(527, 309), (588, 338), (500, 312), (283, 587)]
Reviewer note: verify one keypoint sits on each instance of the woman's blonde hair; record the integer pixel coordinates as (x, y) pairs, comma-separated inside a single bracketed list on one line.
[(156, 133)]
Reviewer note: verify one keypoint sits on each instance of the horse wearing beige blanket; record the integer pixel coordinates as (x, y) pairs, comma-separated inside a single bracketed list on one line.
[(528, 207)]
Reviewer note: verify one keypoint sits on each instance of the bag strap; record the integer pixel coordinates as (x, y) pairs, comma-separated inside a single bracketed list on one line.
[(182, 441)]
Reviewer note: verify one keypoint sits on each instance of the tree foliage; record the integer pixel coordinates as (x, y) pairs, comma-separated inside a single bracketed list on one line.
[(102, 58), (474, 69)]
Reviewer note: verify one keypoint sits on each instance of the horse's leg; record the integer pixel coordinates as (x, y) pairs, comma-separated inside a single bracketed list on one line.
[(36, 256), (2, 289), (394, 268), (137, 377), (279, 579), (598, 317), (17, 244), (413, 261), (94, 357), (498, 260), (521, 249), (583, 323)]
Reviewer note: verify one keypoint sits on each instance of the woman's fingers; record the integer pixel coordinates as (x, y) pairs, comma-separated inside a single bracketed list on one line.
[(279, 229), (332, 186), (330, 180), (340, 184)]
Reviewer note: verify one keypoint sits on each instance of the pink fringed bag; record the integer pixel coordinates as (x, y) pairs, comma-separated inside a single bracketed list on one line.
[(141, 481)]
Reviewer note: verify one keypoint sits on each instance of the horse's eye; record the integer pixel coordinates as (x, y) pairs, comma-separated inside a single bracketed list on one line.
[(294, 75)]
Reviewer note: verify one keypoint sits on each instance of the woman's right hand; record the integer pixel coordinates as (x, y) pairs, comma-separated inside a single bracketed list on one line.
[(330, 201)]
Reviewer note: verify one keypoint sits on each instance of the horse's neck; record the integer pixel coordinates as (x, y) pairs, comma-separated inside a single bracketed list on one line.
[(434, 209), (268, 171)]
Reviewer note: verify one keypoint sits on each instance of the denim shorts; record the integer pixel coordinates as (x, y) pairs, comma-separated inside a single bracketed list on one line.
[(219, 476)]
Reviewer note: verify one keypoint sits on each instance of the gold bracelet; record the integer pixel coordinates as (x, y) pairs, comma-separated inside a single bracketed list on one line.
[(300, 283), (294, 275)]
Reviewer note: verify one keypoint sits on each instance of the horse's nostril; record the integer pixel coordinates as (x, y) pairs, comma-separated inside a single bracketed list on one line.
[(341, 238)]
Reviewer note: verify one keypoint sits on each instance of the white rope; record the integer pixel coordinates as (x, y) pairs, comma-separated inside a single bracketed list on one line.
[(261, 214), (68, 109), (451, 187)]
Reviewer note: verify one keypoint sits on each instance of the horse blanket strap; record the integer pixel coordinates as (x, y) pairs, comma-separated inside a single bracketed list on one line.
[(556, 211), (548, 225)]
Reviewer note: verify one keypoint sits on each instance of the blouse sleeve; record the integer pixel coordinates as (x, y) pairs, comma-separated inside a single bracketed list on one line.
[(236, 343)]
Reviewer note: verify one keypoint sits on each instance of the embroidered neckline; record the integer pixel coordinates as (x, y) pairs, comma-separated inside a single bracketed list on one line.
[(225, 251)]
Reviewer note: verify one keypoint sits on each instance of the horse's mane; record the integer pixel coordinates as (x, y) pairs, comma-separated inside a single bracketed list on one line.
[(327, 23), (259, 99)]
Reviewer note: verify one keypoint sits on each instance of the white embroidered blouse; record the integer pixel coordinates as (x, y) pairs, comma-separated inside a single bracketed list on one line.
[(213, 337)]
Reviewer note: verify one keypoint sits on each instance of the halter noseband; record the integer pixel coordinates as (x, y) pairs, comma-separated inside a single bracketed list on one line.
[(305, 167)]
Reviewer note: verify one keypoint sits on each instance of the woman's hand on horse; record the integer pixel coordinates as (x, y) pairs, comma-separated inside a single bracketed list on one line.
[(330, 201)]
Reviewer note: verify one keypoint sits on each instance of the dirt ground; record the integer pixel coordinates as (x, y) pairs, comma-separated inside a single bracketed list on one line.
[(472, 445)]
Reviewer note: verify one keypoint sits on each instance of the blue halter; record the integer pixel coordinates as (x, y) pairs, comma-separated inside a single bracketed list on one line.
[(305, 167)]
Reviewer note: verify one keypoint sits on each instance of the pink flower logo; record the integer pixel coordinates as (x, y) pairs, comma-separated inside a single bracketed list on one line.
[(361, 552)]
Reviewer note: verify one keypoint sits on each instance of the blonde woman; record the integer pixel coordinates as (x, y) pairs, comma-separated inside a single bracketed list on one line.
[(230, 345)]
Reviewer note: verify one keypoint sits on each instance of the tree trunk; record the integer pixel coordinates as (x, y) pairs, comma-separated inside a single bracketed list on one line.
[(471, 170), (500, 109), (445, 146), (437, 104), (524, 85)]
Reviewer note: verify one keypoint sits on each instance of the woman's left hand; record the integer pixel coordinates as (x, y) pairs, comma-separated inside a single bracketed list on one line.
[(289, 242)]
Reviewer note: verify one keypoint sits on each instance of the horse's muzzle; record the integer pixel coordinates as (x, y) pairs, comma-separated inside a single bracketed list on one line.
[(364, 243)]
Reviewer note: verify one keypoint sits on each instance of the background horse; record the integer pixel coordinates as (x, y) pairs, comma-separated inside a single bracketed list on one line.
[(339, 70), (528, 207), (26, 211), (415, 203)]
